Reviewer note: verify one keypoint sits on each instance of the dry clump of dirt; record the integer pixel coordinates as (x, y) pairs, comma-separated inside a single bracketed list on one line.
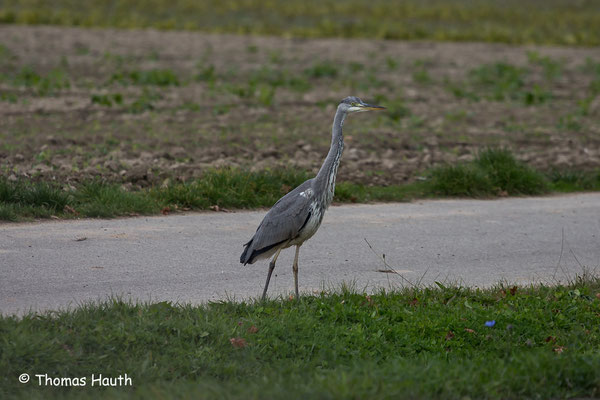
[(256, 102)]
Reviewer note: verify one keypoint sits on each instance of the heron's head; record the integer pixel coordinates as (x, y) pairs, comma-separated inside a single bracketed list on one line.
[(353, 104)]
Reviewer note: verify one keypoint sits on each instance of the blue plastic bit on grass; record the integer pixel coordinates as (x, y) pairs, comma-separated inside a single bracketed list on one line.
[(490, 323)]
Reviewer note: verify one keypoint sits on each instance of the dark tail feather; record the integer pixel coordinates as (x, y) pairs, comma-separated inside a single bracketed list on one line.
[(250, 258), (245, 257)]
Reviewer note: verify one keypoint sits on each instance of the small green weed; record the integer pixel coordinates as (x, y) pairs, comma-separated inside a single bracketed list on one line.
[(107, 100), (552, 68), (82, 50), (536, 95), (460, 91), (207, 73), (594, 88), (9, 97), (391, 63), (275, 57), (278, 78), (583, 106), (456, 116), (156, 77), (221, 109), (191, 106), (266, 95), (397, 109), (355, 67), (570, 122), (244, 91), (5, 53), (43, 85), (371, 81), (591, 66), (322, 69), (145, 102), (420, 74), (503, 81)]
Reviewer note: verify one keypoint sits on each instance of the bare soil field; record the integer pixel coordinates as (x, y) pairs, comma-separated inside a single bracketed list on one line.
[(147, 107)]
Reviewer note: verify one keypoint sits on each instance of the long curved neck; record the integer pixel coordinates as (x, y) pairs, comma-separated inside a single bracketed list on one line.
[(325, 180)]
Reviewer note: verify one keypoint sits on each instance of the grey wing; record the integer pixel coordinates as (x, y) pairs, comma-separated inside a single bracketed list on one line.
[(281, 224)]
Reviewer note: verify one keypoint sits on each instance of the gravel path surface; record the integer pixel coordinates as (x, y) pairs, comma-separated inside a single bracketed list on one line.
[(194, 257)]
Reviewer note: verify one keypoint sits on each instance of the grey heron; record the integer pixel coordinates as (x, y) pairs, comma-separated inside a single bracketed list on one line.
[(296, 216)]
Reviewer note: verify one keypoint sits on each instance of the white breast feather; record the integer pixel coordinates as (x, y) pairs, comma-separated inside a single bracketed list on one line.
[(307, 194)]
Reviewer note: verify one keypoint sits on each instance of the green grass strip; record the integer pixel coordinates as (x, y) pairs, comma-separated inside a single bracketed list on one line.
[(510, 21), (441, 342), (495, 172)]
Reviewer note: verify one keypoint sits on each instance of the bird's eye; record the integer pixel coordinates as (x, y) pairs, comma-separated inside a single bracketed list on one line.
[(354, 104)]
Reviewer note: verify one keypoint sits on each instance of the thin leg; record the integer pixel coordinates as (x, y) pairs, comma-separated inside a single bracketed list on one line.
[(271, 268), (295, 268)]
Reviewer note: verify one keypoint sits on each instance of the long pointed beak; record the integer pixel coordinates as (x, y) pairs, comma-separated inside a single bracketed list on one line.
[(371, 107)]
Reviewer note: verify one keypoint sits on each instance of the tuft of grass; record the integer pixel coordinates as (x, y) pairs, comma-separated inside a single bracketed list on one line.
[(460, 180), (9, 213), (510, 175), (494, 172), (231, 188), (496, 343), (38, 200), (573, 181), (24, 200), (100, 200)]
